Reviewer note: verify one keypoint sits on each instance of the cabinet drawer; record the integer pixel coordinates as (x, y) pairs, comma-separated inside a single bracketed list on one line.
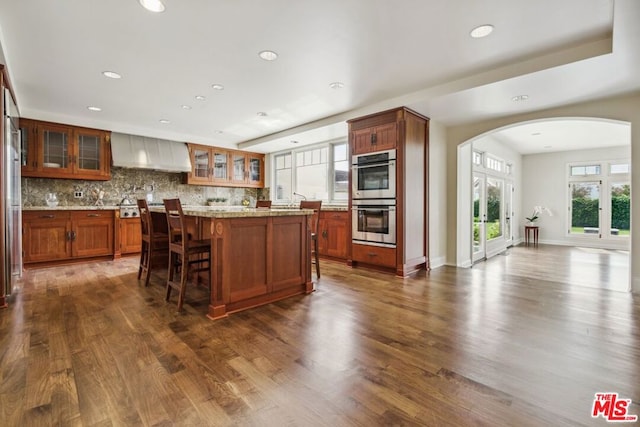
[(43, 216), (374, 255), (339, 215)]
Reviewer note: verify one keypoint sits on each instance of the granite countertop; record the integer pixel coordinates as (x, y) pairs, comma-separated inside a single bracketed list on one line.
[(338, 208), (234, 211), (71, 208)]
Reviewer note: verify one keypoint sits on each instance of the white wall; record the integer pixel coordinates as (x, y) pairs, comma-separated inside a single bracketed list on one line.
[(437, 194), (623, 108), (545, 183)]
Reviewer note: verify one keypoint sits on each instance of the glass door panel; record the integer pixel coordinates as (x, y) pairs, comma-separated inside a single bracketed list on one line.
[(494, 209), (479, 217), (56, 149), (255, 172), (220, 166), (239, 168), (201, 163), (620, 209), (585, 208), (89, 152)]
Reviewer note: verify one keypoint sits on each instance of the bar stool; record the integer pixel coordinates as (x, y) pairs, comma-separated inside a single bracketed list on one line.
[(154, 243), (186, 254), (315, 220), (263, 203)]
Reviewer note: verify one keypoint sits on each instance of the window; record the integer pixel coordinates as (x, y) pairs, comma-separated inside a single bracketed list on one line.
[(319, 172), (585, 170), (494, 164), (283, 183), (477, 158), (600, 199), (619, 168)]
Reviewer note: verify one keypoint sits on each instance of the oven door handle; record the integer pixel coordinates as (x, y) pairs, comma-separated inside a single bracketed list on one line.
[(374, 165), (372, 209)]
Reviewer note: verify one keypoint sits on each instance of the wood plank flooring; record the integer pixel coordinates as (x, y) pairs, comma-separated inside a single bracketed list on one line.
[(514, 341)]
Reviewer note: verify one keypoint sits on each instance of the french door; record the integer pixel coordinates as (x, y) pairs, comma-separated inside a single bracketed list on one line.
[(489, 209)]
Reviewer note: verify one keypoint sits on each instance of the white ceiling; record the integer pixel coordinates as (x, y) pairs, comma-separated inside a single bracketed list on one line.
[(416, 53)]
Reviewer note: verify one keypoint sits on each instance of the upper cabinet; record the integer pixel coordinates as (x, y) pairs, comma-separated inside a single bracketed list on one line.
[(375, 138), (51, 150), (225, 168)]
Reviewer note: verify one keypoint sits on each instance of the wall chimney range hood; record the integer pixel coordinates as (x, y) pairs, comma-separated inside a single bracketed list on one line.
[(140, 152)]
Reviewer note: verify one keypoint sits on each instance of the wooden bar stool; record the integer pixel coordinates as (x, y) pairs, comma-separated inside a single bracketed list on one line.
[(154, 243), (186, 254), (315, 220)]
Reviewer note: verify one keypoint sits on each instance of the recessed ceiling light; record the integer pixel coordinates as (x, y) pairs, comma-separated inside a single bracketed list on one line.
[(217, 86), (520, 98), (261, 114), (268, 55), (111, 74), (94, 108), (481, 31), (164, 121), (294, 142), (336, 85), (152, 5), (185, 107), (200, 98)]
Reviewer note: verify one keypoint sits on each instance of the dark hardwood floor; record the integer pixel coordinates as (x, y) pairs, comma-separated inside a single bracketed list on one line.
[(514, 341)]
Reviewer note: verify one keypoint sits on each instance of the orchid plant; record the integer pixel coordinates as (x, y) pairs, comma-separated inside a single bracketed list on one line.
[(537, 211)]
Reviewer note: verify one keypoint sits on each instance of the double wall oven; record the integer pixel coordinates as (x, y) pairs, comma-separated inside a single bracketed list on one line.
[(373, 201)]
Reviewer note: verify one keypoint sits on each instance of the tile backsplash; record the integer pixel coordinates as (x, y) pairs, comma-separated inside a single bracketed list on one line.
[(134, 184)]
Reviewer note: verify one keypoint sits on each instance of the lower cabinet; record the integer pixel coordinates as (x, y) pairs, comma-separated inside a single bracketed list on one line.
[(63, 235), (374, 255), (333, 234), (130, 235)]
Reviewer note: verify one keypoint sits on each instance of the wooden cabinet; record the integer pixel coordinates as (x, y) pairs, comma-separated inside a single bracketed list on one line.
[(408, 133), (375, 138), (227, 168), (333, 234), (130, 235), (63, 235), (46, 236), (374, 255), (92, 233), (51, 150)]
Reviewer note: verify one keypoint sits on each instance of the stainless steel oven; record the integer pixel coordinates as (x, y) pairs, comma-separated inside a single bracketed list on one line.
[(374, 222), (374, 175)]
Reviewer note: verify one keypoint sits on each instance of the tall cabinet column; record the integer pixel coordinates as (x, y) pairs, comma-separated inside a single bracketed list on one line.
[(407, 132)]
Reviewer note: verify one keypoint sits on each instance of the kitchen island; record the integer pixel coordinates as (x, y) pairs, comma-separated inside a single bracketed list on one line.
[(258, 255)]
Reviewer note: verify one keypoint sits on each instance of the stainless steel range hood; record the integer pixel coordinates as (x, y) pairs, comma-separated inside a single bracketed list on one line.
[(140, 152)]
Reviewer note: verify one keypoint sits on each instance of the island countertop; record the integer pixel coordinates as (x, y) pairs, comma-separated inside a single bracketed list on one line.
[(234, 211)]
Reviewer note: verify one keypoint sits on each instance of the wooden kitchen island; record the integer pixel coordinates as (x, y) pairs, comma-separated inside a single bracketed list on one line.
[(258, 255)]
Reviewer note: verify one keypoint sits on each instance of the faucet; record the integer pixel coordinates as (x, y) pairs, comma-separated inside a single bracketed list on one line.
[(301, 195)]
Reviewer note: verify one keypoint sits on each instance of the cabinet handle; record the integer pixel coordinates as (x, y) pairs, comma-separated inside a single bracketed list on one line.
[(47, 216), (325, 234), (373, 254), (374, 138), (68, 234), (73, 236), (93, 215)]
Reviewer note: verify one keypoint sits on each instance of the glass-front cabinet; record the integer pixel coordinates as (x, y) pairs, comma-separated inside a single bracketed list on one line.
[(51, 150), (224, 167)]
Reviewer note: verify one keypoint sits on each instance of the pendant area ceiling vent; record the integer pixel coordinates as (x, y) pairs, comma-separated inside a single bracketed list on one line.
[(140, 152)]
